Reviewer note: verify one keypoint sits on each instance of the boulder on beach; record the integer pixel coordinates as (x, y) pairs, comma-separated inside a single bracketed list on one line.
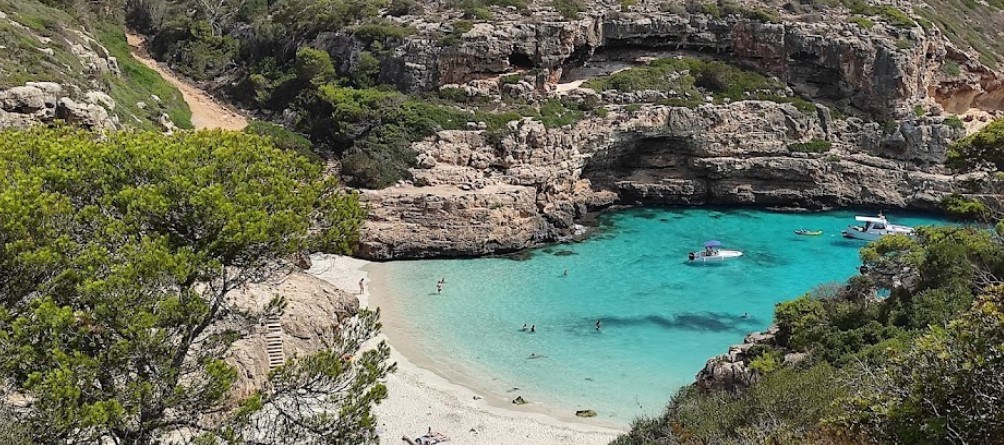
[(585, 413)]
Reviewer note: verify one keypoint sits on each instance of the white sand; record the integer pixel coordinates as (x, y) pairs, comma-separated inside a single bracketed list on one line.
[(419, 399)]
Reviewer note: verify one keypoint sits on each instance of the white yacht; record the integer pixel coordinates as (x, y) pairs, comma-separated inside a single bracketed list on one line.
[(874, 228), (712, 252)]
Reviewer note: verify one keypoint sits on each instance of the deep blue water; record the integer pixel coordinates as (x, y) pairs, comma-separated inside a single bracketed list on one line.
[(662, 317)]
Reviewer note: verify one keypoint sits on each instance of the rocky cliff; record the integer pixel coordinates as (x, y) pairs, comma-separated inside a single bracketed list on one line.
[(876, 133), (473, 197)]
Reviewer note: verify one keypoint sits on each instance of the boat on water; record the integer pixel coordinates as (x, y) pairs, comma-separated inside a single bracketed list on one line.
[(804, 232), (713, 252), (874, 228)]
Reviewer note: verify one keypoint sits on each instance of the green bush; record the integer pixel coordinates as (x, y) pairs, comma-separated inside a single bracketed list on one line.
[(569, 9), (400, 8), (951, 68), (862, 22), (953, 121), (380, 31), (981, 150), (283, 138), (813, 146), (460, 27), (761, 16)]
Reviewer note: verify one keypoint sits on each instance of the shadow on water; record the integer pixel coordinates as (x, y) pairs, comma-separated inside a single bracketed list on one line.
[(767, 259), (687, 321)]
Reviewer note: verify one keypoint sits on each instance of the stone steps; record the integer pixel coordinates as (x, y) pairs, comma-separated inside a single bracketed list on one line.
[(273, 343)]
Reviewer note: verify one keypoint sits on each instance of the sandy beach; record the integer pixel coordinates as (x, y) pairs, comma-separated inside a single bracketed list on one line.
[(419, 398)]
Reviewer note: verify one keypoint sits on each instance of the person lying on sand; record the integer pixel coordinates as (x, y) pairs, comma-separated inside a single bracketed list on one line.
[(429, 438)]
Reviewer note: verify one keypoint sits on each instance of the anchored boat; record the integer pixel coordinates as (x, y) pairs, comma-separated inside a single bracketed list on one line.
[(713, 252), (874, 228), (804, 232)]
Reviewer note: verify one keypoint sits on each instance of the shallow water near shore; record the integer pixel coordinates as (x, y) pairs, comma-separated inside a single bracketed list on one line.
[(662, 316)]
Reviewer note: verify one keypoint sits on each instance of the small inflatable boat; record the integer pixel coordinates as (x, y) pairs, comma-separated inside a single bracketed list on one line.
[(804, 232)]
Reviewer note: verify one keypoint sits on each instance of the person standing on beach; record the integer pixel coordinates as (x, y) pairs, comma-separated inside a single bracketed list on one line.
[(362, 286)]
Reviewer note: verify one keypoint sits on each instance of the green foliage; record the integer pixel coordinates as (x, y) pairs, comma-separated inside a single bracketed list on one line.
[(946, 389), (460, 27), (968, 24), (627, 4), (401, 8), (964, 208), (690, 79), (381, 31), (918, 110), (903, 43), (981, 150), (283, 138), (813, 146), (314, 65), (767, 363), (901, 248), (137, 83), (889, 13), (126, 245), (784, 407), (193, 48), (862, 22), (951, 68), (367, 70), (760, 15), (373, 130), (569, 9), (953, 121)]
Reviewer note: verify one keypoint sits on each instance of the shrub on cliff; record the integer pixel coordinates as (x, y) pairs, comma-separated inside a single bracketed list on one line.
[(946, 389), (981, 150), (119, 253)]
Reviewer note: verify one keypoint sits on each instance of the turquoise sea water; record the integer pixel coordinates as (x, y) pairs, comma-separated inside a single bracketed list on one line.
[(662, 317)]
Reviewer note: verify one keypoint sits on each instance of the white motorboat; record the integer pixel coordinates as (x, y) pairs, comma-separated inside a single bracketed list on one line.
[(713, 252), (874, 228)]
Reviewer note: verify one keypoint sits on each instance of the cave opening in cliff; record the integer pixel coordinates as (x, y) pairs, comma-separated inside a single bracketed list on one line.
[(521, 61)]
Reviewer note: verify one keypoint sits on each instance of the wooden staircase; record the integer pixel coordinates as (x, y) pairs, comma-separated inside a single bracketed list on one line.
[(273, 343)]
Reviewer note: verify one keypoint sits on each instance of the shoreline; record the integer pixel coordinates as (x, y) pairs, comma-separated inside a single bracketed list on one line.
[(419, 397)]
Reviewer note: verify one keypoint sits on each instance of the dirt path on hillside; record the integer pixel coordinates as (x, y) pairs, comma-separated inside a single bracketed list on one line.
[(206, 111)]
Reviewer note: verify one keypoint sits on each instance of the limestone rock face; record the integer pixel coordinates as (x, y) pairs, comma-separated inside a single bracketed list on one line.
[(87, 115), (314, 308), (731, 371), (471, 196), (42, 102)]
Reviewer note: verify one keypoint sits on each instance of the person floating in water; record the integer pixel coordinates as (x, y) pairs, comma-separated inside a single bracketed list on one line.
[(523, 328), (746, 315), (597, 324), (566, 272), (442, 280), (533, 328)]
